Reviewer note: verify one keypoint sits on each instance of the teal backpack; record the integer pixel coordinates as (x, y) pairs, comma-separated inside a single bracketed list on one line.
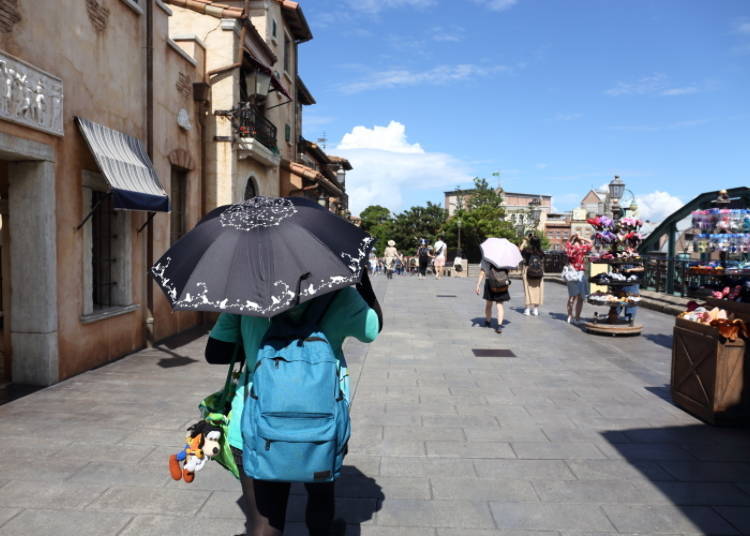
[(295, 424)]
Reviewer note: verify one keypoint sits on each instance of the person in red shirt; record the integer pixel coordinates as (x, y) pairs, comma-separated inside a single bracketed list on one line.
[(576, 248)]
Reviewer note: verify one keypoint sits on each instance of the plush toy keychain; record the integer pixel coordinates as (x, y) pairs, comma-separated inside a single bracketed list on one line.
[(202, 444)]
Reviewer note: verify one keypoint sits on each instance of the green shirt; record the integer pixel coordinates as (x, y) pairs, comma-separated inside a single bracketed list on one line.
[(347, 316)]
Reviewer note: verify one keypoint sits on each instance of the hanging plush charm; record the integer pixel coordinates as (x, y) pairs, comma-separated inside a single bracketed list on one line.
[(202, 444)]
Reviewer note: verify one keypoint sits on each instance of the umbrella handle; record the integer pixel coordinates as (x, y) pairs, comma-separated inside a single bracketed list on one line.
[(299, 284)]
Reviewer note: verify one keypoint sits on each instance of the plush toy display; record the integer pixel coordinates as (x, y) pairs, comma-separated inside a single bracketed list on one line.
[(202, 444)]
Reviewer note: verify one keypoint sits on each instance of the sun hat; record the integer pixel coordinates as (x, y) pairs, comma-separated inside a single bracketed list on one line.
[(391, 243)]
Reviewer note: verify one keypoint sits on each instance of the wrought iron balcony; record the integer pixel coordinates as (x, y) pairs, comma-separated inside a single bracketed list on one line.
[(250, 123)]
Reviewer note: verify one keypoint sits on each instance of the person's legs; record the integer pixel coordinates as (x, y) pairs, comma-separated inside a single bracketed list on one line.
[(265, 503), (579, 306), (571, 303), (487, 312), (500, 314), (320, 508)]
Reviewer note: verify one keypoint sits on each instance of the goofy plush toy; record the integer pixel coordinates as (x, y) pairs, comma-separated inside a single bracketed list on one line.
[(202, 444)]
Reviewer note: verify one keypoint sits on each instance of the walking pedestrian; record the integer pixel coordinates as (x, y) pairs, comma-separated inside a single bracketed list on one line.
[(576, 249), (441, 250), (350, 313), (389, 257), (496, 285), (424, 255), (533, 274)]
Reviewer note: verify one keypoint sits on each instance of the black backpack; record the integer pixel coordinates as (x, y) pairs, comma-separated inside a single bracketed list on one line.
[(534, 268), (498, 280)]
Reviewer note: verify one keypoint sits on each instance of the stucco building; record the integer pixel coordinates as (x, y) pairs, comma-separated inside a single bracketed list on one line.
[(557, 229), (96, 142), (517, 206)]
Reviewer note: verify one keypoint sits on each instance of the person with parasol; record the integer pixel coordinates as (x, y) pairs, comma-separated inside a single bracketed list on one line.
[(274, 266), (499, 255)]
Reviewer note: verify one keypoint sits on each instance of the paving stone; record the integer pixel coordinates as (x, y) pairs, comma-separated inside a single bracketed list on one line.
[(183, 526), (412, 513), (649, 451), (7, 513), (456, 421), (148, 500), (739, 517), (506, 434), (41, 470), (495, 532), (549, 516), (473, 489), (51, 494), (696, 493), (708, 471), (114, 473), (572, 434), (616, 469), (557, 451), (667, 518), (523, 469), (469, 449), (426, 467), (364, 446), (374, 530), (593, 491), (64, 523), (422, 433)]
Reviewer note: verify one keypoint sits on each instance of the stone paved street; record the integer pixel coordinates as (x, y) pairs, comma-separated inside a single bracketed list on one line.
[(573, 435)]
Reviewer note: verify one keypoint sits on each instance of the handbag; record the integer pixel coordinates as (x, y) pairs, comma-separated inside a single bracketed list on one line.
[(570, 274), (216, 409)]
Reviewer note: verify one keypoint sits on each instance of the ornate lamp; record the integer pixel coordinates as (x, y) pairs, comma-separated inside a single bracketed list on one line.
[(616, 188), (258, 82)]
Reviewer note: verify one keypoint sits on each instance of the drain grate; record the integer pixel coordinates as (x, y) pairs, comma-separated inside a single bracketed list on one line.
[(445, 296), (492, 352)]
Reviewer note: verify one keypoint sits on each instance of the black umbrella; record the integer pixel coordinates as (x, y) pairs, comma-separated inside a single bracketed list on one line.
[(262, 257)]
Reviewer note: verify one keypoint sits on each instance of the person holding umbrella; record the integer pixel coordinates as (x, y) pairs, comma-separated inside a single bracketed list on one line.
[(498, 256), (266, 264)]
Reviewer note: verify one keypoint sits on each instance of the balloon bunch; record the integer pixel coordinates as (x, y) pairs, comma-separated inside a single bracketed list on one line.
[(622, 234)]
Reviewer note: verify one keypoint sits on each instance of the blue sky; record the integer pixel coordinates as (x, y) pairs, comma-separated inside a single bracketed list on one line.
[(558, 96)]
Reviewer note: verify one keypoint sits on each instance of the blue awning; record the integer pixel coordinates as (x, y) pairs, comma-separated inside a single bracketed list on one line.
[(125, 164)]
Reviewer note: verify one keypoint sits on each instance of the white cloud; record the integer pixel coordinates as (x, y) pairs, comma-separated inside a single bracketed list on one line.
[(567, 116), (450, 35), (656, 206), (497, 5), (439, 75), (541, 165), (655, 84), (742, 25), (386, 165)]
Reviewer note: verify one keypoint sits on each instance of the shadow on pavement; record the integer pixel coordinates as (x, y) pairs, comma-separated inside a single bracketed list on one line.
[(478, 321), (182, 339), (696, 480), (13, 391), (358, 497), (659, 338), (663, 392), (176, 361), (558, 316)]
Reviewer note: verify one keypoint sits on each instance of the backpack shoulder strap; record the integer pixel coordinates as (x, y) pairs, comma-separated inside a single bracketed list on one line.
[(283, 327)]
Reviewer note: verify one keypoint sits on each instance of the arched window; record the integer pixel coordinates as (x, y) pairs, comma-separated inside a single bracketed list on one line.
[(251, 190)]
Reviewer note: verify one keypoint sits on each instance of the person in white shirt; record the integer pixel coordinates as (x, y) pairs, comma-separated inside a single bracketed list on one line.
[(441, 250)]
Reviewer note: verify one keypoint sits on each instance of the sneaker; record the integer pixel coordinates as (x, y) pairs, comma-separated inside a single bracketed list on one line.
[(570, 319), (526, 312), (535, 312), (498, 330)]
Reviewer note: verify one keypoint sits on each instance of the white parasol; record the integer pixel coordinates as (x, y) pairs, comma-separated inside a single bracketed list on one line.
[(501, 253)]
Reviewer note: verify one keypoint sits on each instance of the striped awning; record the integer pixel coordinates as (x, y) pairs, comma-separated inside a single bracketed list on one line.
[(125, 164)]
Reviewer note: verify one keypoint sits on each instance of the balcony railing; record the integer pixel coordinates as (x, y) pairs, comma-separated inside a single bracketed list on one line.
[(251, 123)]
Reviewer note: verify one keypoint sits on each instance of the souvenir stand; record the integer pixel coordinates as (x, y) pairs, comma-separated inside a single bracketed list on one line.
[(616, 242), (722, 233), (709, 350)]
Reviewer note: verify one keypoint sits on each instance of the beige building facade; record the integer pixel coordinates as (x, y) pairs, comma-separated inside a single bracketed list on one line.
[(74, 258)]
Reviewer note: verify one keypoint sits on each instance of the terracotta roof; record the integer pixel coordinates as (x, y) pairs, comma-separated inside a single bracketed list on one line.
[(223, 11), (340, 160), (305, 97), (296, 20), (209, 7), (314, 175)]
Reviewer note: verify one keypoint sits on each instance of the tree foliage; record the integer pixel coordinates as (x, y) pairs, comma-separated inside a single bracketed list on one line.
[(416, 223), (481, 218)]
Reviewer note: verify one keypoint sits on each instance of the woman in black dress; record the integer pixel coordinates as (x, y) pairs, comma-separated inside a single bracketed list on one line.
[(423, 253), (490, 297)]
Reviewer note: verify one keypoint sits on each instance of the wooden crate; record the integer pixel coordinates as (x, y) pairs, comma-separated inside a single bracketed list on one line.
[(708, 375)]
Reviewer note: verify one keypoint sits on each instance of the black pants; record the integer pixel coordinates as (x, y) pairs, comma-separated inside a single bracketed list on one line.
[(423, 266), (266, 504)]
